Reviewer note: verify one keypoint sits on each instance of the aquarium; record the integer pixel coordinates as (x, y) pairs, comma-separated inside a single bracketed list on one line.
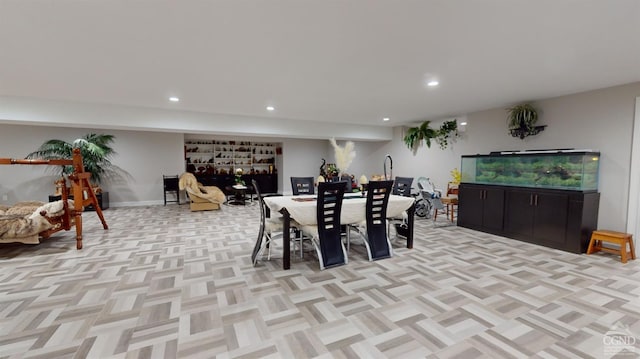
[(559, 169)]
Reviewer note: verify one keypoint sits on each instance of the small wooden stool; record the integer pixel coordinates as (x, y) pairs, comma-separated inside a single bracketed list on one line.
[(619, 238)]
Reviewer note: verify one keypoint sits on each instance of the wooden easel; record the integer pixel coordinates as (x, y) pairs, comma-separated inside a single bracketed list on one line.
[(83, 194)]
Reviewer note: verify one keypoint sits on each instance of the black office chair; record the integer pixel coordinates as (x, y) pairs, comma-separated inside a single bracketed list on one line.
[(302, 185), (326, 235)]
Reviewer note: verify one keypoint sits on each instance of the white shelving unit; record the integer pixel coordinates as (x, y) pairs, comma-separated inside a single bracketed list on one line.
[(226, 156)]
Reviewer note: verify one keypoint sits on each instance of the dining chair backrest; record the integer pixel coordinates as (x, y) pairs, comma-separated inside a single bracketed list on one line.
[(302, 185), (258, 245), (378, 193), (348, 184), (402, 186), (329, 207)]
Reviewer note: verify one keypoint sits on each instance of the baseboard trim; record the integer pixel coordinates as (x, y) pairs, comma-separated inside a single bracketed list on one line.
[(137, 204)]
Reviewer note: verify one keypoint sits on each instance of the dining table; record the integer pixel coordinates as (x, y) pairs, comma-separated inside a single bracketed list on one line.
[(303, 209)]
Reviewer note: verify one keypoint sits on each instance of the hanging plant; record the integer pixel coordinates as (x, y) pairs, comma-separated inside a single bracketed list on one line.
[(447, 132), (522, 121)]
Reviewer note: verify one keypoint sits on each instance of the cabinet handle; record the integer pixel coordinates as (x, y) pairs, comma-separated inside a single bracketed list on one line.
[(536, 201), (531, 200)]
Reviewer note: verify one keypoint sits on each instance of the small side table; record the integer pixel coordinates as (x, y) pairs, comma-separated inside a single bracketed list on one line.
[(619, 238), (239, 195)]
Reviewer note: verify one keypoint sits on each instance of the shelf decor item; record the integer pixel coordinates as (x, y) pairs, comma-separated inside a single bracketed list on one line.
[(522, 121), (447, 132), (224, 157)]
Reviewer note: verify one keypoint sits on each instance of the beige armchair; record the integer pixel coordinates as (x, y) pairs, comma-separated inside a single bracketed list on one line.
[(201, 198)]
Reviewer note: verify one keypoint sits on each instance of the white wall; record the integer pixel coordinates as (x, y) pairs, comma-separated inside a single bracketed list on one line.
[(633, 215), (600, 120), (301, 158), (144, 156)]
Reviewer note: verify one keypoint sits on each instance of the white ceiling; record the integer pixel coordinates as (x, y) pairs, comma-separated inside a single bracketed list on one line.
[(349, 61)]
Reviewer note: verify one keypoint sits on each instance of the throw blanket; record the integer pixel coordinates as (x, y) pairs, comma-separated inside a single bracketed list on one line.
[(189, 183), (25, 220)]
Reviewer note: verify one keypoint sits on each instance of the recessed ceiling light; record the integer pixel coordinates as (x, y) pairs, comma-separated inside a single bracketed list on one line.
[(433, 83), (270, 108), (386, 119), (463, 123), (174, 99)]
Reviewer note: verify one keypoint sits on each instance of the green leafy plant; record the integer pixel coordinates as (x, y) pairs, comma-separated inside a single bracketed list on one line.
[(332, 170), (456, 176), (96, 153), (238, 177), (447, 132), (522, 120)]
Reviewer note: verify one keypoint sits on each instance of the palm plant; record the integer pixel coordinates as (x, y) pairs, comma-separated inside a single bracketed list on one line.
[(96, 153)]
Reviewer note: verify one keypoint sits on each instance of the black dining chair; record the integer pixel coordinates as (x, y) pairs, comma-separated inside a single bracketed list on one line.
[(326, 235), (401, 187), (302, 185), (376, 239), (348, 183), (268, 227)]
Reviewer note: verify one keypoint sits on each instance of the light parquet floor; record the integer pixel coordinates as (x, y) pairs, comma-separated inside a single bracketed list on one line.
[(164, 282)]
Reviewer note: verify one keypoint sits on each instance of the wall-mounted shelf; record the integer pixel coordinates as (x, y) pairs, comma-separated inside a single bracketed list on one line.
[(226, 157)]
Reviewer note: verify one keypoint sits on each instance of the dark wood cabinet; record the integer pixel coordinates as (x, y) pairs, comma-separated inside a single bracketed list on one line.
[(483, 207), (561, 219), (268, 182), (537, 217)]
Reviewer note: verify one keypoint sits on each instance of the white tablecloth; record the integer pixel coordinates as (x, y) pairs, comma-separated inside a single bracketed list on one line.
[(353, 209)]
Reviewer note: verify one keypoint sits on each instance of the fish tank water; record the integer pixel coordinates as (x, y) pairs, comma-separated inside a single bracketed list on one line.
[(556, 169)]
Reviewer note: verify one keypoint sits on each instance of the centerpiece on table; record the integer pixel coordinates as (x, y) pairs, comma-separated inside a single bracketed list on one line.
[(239, 182)]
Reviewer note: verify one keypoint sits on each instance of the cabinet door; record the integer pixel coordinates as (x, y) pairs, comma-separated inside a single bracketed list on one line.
[(520, 210), (268, 183), (493, 208), (550, 218), (470, 206)]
